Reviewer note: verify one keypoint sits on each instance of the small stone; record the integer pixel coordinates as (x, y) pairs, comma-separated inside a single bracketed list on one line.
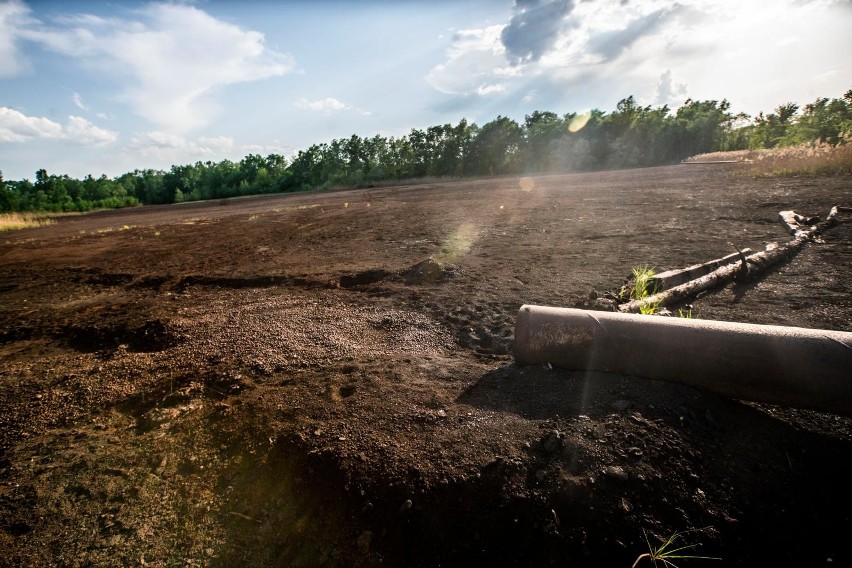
[(408, 504), (616, 472), (634, 452)]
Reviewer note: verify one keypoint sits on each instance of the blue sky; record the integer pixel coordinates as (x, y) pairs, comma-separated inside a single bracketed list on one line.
[(106, 87)]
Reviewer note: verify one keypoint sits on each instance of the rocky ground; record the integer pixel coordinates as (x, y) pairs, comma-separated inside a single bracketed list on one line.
[(326, 379)]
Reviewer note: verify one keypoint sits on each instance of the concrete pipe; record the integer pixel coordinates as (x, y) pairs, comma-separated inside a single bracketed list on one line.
[(803, 368)]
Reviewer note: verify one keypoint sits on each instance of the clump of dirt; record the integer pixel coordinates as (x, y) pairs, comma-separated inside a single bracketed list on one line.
[(429, 271), (306, 390)]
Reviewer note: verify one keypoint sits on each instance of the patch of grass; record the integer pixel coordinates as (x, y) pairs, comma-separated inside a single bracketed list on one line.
[(17, 221), (802, 160), (648, 309), (670, 550), (642, 288)]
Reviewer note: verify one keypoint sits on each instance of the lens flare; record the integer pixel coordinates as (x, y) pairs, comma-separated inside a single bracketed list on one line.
[(578, 122), (457, 244)]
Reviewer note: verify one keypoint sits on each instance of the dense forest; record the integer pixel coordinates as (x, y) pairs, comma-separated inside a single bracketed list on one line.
[(630, 136)]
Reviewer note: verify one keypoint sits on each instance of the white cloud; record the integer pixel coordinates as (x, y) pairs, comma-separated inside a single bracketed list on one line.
[(81, 131), (328, 104), (13, 15), (172, 148), (490, 89), (18, 127), (668, 91), (475, 58), (169, 60), (78, 101), (595, 53)]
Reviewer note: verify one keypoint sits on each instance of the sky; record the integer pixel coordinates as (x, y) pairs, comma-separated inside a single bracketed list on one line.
[(97, 87)]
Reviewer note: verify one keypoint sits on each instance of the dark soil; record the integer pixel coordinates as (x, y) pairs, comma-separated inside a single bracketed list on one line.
[(326, 379)]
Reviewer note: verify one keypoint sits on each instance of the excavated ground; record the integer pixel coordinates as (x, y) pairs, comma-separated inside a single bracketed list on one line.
[(326, 379)]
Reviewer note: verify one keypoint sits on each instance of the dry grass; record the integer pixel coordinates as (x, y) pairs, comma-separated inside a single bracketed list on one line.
[(17, 221), (805, 159), (732, 156), (822, 159)]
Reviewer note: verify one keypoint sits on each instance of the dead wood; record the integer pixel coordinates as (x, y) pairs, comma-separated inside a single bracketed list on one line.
[(749, 267), (672, 278)]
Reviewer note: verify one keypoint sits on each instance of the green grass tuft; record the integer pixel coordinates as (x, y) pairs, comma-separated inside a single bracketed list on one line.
[(670, 550), (642, 288)]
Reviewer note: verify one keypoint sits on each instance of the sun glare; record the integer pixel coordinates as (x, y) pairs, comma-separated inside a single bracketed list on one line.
[(579, 121)]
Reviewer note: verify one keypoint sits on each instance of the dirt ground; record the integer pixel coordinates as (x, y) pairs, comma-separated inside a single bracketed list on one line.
[(326, 379)]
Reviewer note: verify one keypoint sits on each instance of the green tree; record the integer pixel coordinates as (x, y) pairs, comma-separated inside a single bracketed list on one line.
[(6, 200), (496, 148), (542, 133), (703, 126)]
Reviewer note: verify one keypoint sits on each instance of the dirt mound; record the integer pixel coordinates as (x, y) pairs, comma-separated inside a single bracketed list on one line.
[(429, 271)]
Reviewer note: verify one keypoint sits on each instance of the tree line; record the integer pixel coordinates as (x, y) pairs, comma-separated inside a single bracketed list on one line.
[(630, 136)]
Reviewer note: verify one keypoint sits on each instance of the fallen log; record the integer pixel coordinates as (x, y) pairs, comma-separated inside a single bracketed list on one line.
[(803, 368), (754, 264), (670, 278)]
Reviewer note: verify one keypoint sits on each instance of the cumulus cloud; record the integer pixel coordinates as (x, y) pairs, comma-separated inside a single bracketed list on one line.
[(170, 58), (327, 104), (669, 92), (534, 28), (558, 49), (81, 131), (18, 127), (476, 59)]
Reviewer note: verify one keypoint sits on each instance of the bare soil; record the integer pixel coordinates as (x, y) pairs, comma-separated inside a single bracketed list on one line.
[(326, 379)]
